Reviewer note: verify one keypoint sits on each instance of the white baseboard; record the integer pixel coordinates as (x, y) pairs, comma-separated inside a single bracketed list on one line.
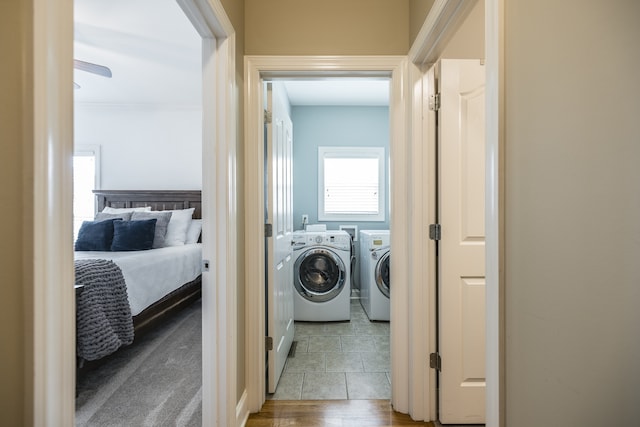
[(242, 410)]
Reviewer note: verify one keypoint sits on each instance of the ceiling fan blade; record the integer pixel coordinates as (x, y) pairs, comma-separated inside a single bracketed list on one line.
[(92, 68)]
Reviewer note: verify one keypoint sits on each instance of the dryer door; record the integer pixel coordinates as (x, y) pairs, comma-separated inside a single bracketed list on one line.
[(383, 275), (319, 274)]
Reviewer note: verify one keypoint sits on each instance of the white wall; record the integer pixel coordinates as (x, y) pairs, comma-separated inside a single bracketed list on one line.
[(572, 182), (144, 147)]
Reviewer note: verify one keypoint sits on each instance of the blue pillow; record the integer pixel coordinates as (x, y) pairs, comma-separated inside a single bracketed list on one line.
[(133, 235), (95, 235)]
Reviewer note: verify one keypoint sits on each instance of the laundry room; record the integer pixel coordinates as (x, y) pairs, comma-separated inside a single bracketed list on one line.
[(340, 210), (354, 115)]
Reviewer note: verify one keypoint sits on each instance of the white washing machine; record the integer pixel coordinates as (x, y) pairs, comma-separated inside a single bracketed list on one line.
[(375, 286), (321, 276)]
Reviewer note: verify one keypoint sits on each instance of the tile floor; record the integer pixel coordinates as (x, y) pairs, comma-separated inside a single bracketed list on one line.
[(338, 360)]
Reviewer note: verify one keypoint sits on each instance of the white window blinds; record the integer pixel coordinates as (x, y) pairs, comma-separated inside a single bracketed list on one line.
[(351, 183)]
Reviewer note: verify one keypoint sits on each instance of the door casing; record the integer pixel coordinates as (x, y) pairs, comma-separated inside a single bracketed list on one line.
[(52, 314), (409, 371)]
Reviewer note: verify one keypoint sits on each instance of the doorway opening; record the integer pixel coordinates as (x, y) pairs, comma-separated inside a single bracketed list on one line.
[(54, 348), (143, 116), (339, 180), (258, 70)]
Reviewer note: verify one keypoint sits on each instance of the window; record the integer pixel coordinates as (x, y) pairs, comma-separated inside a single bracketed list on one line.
[(86, 178), (351, 184)]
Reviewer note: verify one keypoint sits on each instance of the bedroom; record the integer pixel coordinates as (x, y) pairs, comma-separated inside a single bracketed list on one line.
[(141, 128)]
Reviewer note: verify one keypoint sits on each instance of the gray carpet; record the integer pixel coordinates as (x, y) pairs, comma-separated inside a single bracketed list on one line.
[(157, 381)]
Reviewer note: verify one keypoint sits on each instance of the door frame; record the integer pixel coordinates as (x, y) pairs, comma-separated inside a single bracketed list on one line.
[(443, 20), (51, 299), (403, 336), (495, 214)]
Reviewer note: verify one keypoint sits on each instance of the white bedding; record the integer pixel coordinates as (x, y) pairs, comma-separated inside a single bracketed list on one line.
[(152, 274)]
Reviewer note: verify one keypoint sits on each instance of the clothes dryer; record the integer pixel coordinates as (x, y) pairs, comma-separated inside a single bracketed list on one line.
[(321, 276), (375, 284)]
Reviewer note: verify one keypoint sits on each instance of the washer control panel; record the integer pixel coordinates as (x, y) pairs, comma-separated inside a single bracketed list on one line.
[(336, 239)]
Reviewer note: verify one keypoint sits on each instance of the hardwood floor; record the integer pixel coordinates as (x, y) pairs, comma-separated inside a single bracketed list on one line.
[(320, 413)]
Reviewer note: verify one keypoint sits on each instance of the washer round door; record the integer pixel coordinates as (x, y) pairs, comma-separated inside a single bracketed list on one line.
[(319, 274), (382, 274)]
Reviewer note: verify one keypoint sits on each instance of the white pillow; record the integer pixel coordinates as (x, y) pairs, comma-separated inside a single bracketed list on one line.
[(109, 209), (193, 232), (178, 226)]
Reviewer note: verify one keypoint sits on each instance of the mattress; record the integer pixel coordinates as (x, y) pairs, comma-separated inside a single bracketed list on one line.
[(152, 274)]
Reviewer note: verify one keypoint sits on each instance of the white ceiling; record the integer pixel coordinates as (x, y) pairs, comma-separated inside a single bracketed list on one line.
[(150, 46), (353, 91), (154, 54)]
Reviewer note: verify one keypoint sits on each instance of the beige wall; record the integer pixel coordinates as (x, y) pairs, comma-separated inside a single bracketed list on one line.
[(572, 212), (309, 27), (468, 42), (330, 27), (418, 11), (15, 145)]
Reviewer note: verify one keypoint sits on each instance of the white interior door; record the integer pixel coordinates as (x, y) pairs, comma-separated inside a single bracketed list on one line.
[(279, 199), (461, 143)]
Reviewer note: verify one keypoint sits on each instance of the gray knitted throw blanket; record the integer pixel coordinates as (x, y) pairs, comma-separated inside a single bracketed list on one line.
[(103, 314)]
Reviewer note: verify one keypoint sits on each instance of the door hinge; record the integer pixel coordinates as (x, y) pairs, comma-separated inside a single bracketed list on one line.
[(435, 362), (435, 231), (268, 343), (267, 117), (268, 230), (434, 102)]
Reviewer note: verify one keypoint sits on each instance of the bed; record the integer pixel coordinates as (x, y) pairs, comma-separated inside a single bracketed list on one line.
[(154, 281)]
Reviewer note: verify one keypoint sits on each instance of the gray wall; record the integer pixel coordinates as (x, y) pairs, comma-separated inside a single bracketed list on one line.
[(572, 210)]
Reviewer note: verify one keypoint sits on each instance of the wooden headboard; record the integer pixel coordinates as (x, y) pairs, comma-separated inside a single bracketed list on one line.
[(159, 200)]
